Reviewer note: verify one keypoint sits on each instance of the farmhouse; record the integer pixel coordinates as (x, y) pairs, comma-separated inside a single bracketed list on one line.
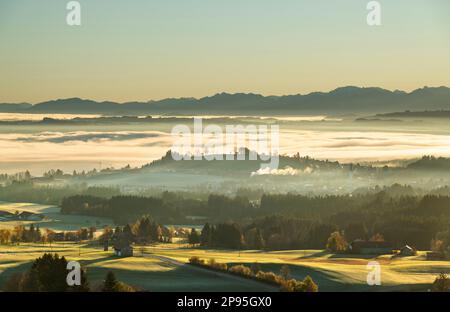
[(29, 216), (370, 247), (23, 216), (5, 215), (123, 249), (407, 251)]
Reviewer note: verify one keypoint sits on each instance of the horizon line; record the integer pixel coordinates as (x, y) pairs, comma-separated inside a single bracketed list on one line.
[(230, 93)]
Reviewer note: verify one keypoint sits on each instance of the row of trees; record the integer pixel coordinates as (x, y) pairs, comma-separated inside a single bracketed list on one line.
[(33, 234), (274, 232), (16, 177), (278, 233), (225, 235), (122, 209), (299, 222), (166, 209), (22, 234), (143, 231), (284, 280), (24, 190)]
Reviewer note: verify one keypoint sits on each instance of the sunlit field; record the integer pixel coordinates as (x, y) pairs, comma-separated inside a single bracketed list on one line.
[(151, 270), (144, 272), (332, 272)]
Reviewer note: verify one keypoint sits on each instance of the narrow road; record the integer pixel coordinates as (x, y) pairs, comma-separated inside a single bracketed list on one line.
[(268, 288)]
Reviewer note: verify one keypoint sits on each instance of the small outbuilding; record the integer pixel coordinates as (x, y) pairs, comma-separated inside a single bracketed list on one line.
[(29, 216), (407, 251), (123, 249)]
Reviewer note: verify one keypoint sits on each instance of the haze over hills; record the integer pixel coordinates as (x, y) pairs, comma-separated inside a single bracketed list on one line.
[(417, 114), (342, 100), (294, 174)]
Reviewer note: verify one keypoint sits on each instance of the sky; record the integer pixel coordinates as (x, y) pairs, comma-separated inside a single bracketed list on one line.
[(141, 50)]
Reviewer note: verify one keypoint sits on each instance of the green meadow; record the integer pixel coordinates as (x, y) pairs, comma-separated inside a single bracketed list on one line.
[(146, 273), (331, 272), (152, 268), (163, 267)]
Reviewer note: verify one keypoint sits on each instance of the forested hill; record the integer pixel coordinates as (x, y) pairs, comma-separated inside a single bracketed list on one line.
[(431, 163), (304, 163), (417, 114), (247, 166)]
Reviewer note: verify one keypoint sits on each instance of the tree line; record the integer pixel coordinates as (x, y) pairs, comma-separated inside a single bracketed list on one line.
[(25, 190), (143, 231), (33, 234), (286, 221), (282, 280)]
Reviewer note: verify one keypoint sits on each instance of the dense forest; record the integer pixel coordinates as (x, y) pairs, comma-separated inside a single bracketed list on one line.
[(284, 221), (256, 219), (28, 191)]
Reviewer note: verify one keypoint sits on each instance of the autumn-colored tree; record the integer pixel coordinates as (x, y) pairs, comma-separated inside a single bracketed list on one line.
[(336, 242)]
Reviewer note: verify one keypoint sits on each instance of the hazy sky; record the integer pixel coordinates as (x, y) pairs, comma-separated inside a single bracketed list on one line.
[(153, 49)]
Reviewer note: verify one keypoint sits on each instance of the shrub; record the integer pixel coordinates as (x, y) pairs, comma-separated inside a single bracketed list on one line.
[(293, 285), (216, 265), (289, 285), (441, 284), (269, 277), (211, 263), (241, 270), (308, 285), (196, 260)]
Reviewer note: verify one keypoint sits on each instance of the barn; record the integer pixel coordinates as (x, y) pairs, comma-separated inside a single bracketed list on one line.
[(371, 247), (123, 249)]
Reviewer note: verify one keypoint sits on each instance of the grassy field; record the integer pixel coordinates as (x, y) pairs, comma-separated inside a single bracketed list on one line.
[(147, 273), (331, 272), (54, 219)]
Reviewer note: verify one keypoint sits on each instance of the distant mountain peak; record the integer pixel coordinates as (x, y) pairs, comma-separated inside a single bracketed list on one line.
[(345, 99)]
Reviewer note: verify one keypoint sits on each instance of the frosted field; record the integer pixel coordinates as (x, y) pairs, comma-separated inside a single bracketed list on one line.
[(54, 220)]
